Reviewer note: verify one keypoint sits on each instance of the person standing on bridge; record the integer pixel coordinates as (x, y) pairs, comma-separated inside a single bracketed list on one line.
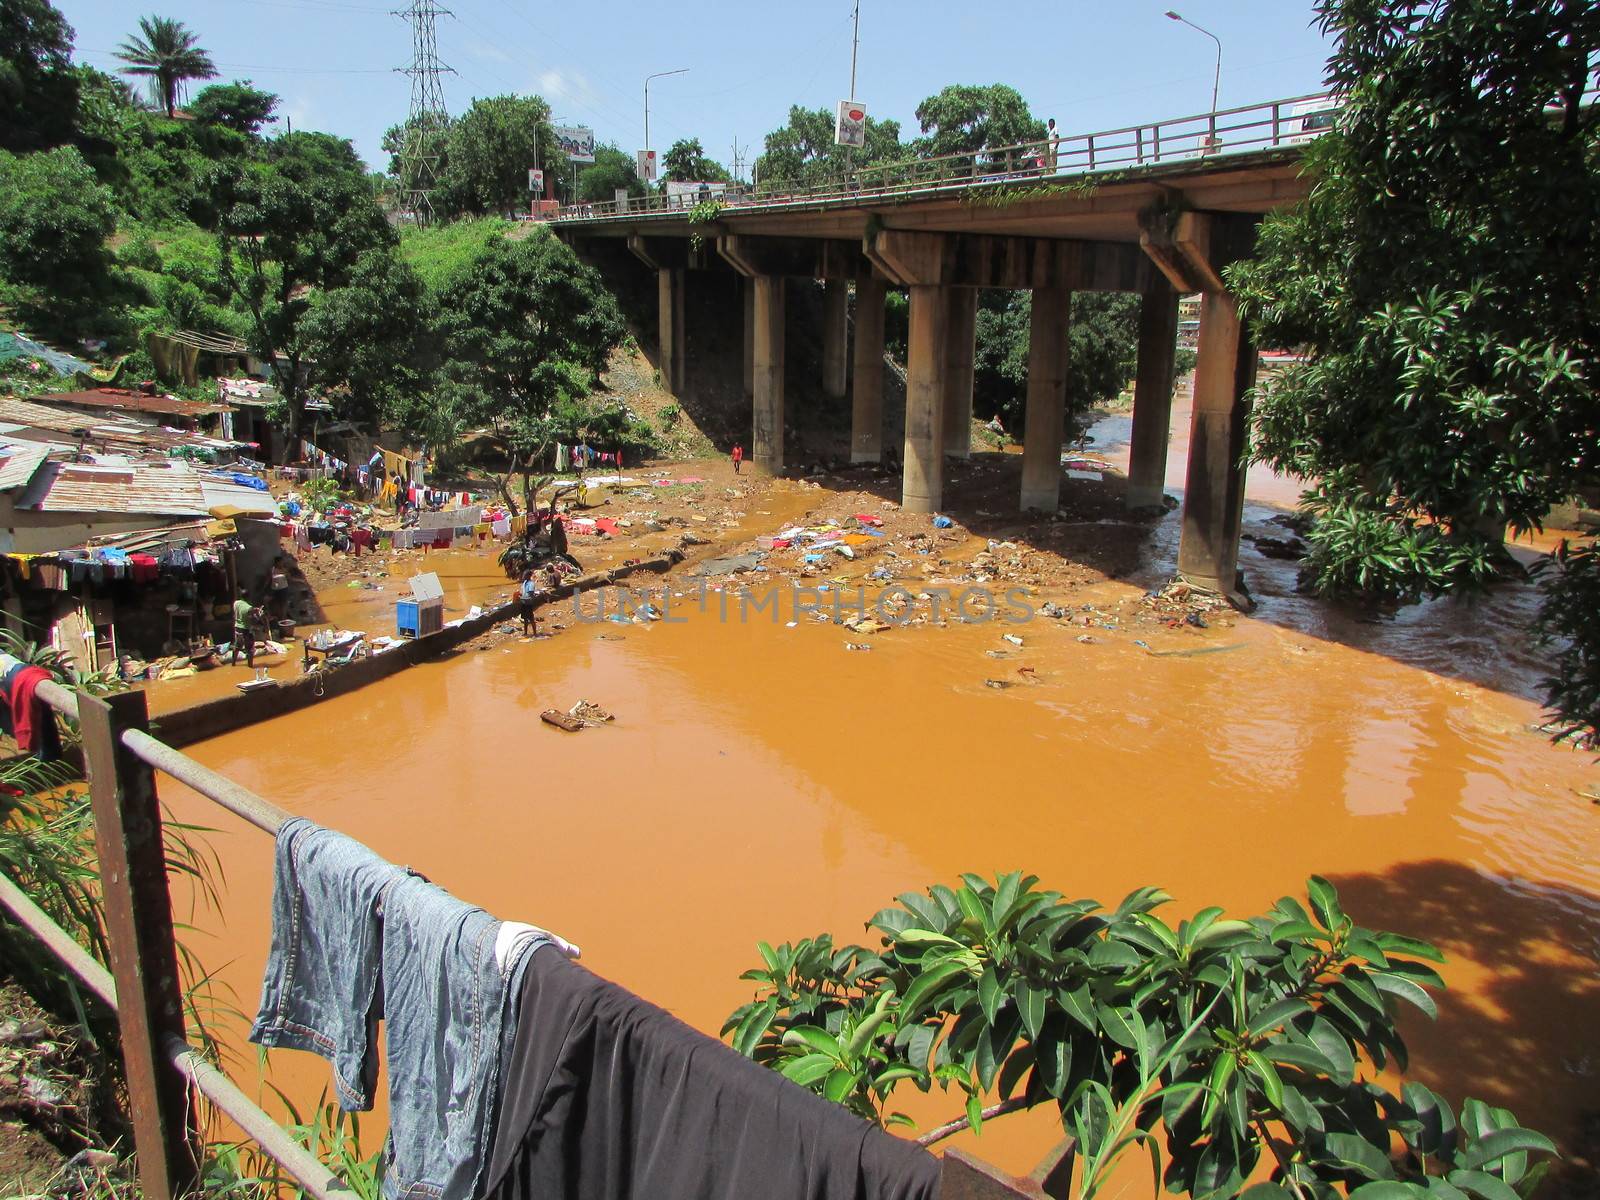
[(738, 457), (1052, 154)]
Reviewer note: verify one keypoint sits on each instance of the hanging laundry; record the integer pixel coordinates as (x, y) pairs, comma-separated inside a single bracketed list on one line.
[(440, 972), (600, 1088), (33, 722)]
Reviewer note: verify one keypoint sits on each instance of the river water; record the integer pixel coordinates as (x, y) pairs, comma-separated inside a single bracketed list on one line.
[(761, 782)]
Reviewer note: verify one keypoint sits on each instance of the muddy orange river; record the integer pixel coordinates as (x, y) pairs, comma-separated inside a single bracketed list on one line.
[(761, 781)]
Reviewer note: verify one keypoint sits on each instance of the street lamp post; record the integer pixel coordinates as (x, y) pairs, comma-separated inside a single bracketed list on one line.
[(1216, 82), (647, 79)]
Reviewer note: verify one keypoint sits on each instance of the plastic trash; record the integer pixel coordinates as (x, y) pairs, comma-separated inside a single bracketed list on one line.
[(942, 522), (1012, 638)]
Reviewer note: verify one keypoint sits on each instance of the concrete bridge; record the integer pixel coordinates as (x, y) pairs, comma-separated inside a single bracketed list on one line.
[(1158, 210)]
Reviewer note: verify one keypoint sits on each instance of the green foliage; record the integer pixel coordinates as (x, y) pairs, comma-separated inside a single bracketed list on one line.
[(167, 53), (38, 87), (969, 119), (54, 221), (686, 162), (420, 136), (291, 231), (440, 254), (489, 150), (612, 171), (1239, 1038), (803, 153), (1439, 280), (1102, 351), (237, 106)]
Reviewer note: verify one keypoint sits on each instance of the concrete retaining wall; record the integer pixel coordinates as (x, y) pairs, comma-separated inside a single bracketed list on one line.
[(224, 715)]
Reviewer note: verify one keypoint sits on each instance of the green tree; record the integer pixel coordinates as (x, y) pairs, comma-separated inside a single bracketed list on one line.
[(969, 119), (371, 338), (1440, 282), (55, 217), (803, 153), (1102, 352), (288, 229), (237, 106), (433, 132), (166, 53), (490, 148), (612, 171), (38, 87), (525, 332), (1239, 1045), (686, 162)]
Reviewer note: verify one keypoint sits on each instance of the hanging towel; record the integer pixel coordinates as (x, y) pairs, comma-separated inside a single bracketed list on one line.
[(607, 1096), (32, 719)]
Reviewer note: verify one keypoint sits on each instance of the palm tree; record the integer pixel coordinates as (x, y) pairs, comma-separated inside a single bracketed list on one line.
[(167, 54)]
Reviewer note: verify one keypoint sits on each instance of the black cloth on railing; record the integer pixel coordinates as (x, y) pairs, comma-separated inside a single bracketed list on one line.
[(606, 1097)]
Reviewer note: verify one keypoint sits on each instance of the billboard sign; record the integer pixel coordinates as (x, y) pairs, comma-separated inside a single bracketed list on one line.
[(688, 194), (577, 142), (535, 180), (645, 166), (850, 126)]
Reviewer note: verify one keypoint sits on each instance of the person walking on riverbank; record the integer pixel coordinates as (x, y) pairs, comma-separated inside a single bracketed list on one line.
[(738, 457)]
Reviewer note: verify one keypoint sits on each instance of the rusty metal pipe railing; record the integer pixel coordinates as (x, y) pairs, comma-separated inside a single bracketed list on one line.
[(210, 1082), (234, 797)]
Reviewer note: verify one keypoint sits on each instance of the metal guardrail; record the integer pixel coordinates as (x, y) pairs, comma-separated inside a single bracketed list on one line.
[(1277, 123), (143, 986)]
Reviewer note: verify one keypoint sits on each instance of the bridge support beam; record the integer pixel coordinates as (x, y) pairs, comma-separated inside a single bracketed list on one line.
[(866, 396), (749, 286), (960, 350), (1152, 395), (766, 441), (672, 333), (922, 487), (1213, 499), (1047, 399), (835, 338)]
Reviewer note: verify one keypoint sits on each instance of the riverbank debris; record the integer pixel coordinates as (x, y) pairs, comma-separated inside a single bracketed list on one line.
[(561, 720), (590, 713)]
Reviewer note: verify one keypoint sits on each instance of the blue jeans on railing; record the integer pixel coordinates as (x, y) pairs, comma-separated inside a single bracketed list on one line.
[(356, 938)]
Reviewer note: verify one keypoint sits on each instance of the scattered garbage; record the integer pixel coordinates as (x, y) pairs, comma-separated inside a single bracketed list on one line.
[(997, 684), (858, 646), (1012, 638), (942, 522), (1086, 639), (731, 565), (561, 720), (590, 713)]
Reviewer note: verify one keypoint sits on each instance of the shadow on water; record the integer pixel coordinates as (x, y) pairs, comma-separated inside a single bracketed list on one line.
[(1530, 1034)]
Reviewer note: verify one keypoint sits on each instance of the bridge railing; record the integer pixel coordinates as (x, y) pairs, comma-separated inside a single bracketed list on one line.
[(1277, 123)]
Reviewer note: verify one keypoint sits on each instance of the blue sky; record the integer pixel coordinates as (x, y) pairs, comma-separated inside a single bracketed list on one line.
[(1091, 64)]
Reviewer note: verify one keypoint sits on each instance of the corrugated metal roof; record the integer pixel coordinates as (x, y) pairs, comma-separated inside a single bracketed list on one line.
[(75, 487), (246, 499), (121, 398), (40, 416), (18, 464)]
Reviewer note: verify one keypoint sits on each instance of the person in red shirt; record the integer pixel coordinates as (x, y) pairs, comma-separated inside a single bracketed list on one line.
[(738, 457)]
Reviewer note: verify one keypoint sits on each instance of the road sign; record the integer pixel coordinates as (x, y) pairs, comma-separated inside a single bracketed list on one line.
[(535, 180), (646, 166), (850, 126)]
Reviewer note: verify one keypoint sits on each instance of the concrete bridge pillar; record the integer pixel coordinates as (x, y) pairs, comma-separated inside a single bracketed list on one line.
[(835, 337), (1152, 395), (1045, 422), (1213, 500), (766, 442), (922, 487), (670, 290), (749, 286), (866, 405), (960, 350)]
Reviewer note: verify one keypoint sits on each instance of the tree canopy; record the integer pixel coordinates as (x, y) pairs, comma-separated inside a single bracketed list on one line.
[(802, 153), (55, 218), (612, 171), (969, 119), (1440, 282), (237, 106), (38, 87), (168, 54), (489, 150), (686, 162)]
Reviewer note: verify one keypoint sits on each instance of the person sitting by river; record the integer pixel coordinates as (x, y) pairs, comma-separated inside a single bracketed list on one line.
[(525, 604), (246, 617)]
